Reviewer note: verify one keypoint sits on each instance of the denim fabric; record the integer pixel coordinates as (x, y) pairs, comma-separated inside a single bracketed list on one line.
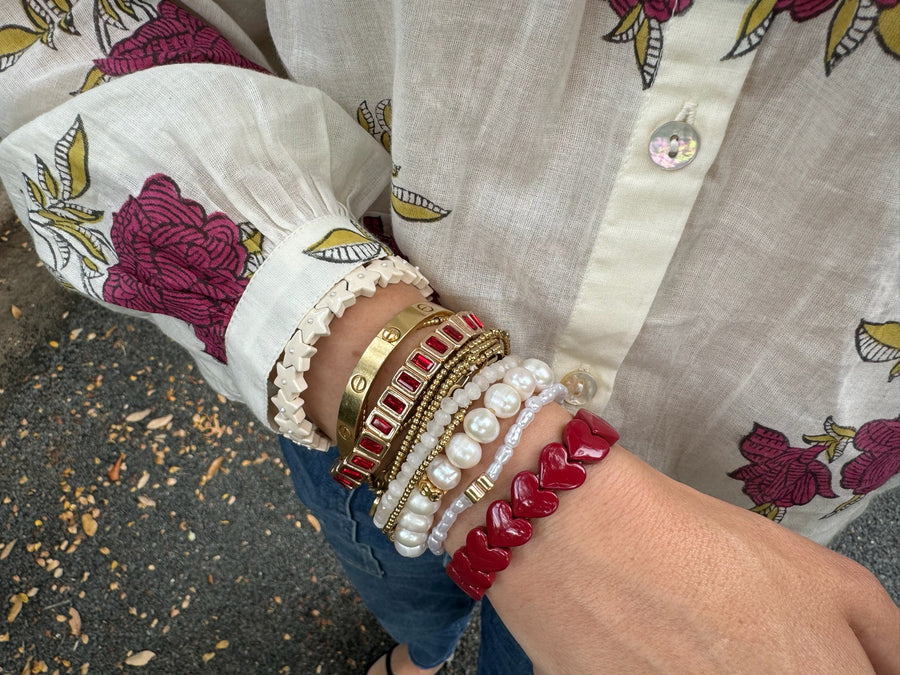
[(413, 599)]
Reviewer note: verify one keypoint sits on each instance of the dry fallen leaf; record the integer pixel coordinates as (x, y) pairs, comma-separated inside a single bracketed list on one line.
[(88, 524), (143, 480), (159, 422), (138, 415), (113, 473), (213, 469), (7, 549), (208, 657), (314, 522), (222, 644), (16, 601), (142, 658), (145, 502), (74, 621), (15, 311)]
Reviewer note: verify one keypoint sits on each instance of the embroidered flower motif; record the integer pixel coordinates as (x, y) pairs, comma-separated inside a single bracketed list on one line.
[(851, 22), (641, 23), (173, 36), (176, 259), (778, 475)]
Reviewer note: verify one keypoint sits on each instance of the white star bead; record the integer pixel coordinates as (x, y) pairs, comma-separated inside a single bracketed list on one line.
[(289, 381), (297, 353), (364, 282), (287, 406), (315, 325), (337, 299), (388, 271)]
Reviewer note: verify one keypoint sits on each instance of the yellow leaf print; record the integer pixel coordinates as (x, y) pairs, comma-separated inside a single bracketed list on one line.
[(889, 30), (344, 245), (755, 23), (71, 155), (411, 206), (14, 40), (849, 26)]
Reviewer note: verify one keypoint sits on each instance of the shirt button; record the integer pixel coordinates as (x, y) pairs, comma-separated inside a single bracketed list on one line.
[(674, 145), (582, 387)]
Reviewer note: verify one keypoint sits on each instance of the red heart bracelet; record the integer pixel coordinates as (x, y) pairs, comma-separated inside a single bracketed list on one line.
[(586, 440)]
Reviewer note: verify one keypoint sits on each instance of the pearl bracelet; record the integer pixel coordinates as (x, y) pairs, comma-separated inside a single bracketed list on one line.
[(479, 487), (463, 451), (586, 440), (289, 380)]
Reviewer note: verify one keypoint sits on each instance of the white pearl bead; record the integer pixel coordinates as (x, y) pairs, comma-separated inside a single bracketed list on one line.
[(410, 538), (504, 454), (415, 522), (449, 406), (396, 488), (492, 372), (463, 452), (410, 551), (482, 425), (419, 503), (428, 440), (522, 379), (502, 400), (443, 474), (380, 518), (435, 428), (543, 374)]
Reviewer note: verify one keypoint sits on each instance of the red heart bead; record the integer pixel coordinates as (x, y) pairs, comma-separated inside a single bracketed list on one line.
[(528, 500), (584, 446), (484, 556), (557, 472), (472, 582), (598, 425), (504, 529)]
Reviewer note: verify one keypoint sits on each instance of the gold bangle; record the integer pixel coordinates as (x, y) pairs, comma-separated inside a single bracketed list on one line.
[(396, 330), (380, 434)]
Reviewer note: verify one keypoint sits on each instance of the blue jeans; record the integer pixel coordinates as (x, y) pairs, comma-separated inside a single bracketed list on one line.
[(413, 599)]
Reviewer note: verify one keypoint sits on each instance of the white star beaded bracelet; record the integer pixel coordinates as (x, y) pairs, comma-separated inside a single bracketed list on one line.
[(289, 381)]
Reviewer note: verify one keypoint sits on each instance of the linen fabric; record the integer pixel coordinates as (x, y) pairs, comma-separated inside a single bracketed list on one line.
[(741, 316)]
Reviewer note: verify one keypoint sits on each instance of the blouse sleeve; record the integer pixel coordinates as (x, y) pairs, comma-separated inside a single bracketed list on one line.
[(185, 184)]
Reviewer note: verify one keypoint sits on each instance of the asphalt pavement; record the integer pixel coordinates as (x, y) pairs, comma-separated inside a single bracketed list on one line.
[(148, 525)]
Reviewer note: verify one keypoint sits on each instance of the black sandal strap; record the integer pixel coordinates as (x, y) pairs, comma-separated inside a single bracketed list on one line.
[(387, 661)]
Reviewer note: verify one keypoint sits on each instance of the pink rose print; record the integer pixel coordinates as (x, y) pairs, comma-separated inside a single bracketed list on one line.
[(879, 443), (778, 475), (803, 10), (174, 36), (176, 259)]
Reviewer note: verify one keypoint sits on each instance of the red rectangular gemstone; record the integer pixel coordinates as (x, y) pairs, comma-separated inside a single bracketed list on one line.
[(435, 343), (422, 362), (394, 404), (473, 321), (452, 332), (346, 482), (363, 463), (371, 445), (351, 473), (381, 425), (408, 382)]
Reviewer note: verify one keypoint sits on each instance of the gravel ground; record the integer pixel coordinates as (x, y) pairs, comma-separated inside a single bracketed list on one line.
[(142, 516)]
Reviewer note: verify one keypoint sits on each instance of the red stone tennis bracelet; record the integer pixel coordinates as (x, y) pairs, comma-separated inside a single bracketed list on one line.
[(586, 440)]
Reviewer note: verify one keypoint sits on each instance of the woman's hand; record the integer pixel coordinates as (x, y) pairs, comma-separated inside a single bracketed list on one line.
[(639, 573)]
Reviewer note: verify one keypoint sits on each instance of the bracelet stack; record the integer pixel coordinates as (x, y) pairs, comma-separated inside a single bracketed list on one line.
[(413, 441), (488, 549)]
